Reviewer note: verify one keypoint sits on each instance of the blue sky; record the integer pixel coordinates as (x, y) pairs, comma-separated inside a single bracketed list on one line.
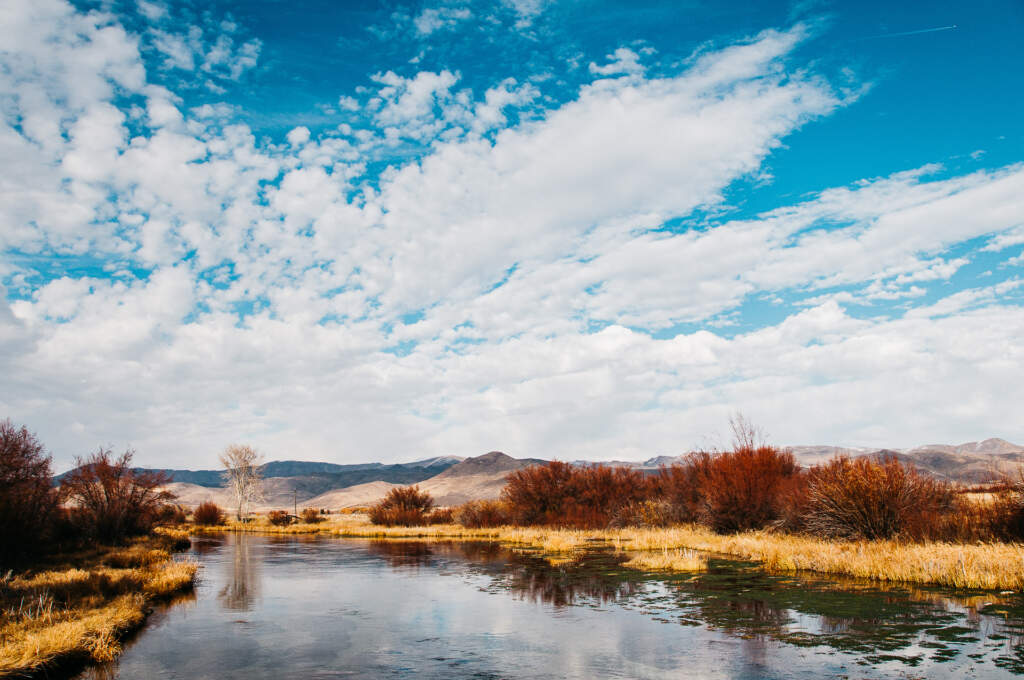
[(385, 231)]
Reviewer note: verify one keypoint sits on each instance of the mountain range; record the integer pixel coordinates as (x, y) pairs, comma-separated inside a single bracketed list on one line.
[(452, 480)]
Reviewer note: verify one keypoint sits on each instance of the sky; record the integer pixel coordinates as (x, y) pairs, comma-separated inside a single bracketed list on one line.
[(384, 231)]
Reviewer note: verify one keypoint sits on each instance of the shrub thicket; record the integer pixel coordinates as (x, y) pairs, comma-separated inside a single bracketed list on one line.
[(441, 516), (874, 498), (279, 518), (402, 506), (208, 513), (559, 494), (27, 498), (311, 516), (112, 501), (482, 514), (744, 488)]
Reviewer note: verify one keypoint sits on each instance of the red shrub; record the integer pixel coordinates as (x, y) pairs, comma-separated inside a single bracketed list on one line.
[(558, 494), (482, 514), (744, 488), (441, 516), (279, 518), (680, 486), (537, 494), (27, 497), (311, 516), (871, 499), (208, 513), (402, 506), (598, 493), (111, 500)]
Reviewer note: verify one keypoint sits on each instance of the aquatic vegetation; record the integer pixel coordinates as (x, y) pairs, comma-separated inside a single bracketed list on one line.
[(79, 611), (669, 560), (992, 565), (981, 565)]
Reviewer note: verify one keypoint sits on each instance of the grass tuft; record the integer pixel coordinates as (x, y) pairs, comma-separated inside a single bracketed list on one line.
[(79, 612)]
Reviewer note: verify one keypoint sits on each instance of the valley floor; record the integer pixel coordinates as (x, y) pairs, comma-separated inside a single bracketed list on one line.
[(989, 566), (76, 608)]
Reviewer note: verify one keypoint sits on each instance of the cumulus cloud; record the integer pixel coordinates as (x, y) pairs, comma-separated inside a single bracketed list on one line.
[(514, 286), (434, 19)]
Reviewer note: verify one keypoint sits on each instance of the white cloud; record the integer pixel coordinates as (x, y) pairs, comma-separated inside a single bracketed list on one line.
[(526, 10), (433, 19), (622, 61), (274, 279)]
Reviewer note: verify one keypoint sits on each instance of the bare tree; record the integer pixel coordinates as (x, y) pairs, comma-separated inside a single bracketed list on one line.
[(242, 476)]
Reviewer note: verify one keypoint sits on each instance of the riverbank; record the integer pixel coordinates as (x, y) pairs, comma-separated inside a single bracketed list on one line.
[(77, 608), (989, 566)]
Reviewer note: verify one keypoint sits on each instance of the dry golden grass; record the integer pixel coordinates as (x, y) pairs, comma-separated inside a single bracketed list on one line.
[(669, 560), (80, 610), (994, 566), (988, 566)]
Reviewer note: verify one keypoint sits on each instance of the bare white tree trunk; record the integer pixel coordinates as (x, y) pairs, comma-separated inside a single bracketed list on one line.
[(241, 476)]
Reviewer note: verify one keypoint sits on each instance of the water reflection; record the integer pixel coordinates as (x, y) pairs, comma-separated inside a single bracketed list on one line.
[(243, 573), (352, 608)]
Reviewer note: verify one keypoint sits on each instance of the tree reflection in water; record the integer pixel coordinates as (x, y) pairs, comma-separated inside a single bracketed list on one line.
[(243, 575)]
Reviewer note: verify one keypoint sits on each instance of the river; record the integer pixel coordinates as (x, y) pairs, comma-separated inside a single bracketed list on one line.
[(315, 607)]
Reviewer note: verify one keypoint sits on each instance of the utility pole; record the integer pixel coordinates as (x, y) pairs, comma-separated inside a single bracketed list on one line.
[(295, 501)]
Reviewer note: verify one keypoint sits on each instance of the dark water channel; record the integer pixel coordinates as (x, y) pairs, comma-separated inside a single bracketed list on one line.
[(269, 607)]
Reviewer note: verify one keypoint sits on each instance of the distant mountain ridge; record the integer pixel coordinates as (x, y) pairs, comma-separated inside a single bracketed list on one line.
[(452, 480), (333, 475)]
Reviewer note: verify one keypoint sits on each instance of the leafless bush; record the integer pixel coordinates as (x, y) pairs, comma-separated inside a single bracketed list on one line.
[(279, 518), (111, 500), (482, 514), (402, 506), (441, 516), (27, 498), (311, 516), (208, 513), (873, 499), (645, 514), (558, 494), (744, 488)]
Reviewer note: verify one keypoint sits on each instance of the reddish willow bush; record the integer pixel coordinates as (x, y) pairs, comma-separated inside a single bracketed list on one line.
[(745, 488), (482, 514), (279, 518), (559, 494), (872, 499), (311, 516), (111, 500), (402, 506), (28, 500), (208, 514), (441, 516)]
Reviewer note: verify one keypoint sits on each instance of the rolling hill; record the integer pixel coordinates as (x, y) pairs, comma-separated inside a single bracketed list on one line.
[(451, 480)]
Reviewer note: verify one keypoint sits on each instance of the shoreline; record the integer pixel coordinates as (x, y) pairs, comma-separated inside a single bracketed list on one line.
[(83, 605), (988, 566)]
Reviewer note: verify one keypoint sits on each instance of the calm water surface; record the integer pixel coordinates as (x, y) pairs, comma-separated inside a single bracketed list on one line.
[(282, 607)]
